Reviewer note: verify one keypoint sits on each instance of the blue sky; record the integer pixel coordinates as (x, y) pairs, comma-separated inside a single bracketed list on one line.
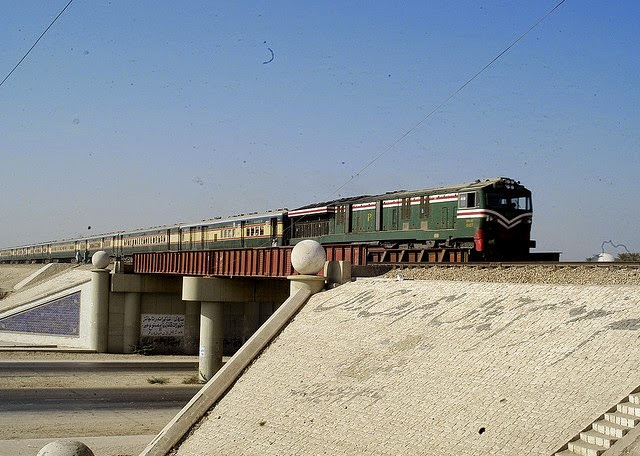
[(135, 114)]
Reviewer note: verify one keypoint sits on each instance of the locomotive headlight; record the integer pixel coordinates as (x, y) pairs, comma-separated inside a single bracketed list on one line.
[(529, 221), (489, 218)]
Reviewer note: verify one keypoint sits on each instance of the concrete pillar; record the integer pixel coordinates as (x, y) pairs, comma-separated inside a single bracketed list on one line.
[(191, 327), (100, 310), (337, 272), (211, 337), (212, 292), (131, 330)]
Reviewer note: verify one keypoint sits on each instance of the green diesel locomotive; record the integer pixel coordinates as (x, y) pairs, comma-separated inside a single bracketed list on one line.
[(490, 219)]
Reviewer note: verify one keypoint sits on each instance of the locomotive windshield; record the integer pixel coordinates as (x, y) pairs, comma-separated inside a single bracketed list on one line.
[(502, 201)]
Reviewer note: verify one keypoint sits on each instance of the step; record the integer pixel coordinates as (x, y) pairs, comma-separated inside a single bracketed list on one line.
[(565, 453), (597, 438), (634, 398), (610, 428), (622, 419), (629, 408), (586, 449)]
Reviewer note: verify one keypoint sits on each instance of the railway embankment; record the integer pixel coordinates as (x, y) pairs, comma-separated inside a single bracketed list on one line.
[(14, 277), (460, 366), (574, 274), (54, 281)]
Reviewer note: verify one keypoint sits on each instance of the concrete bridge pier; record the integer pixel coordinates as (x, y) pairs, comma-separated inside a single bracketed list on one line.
[(212, 293), (211, 339), (131, 330), (191, 328)]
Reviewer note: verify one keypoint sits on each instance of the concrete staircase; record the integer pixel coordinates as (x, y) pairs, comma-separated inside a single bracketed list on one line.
[(604, 432)]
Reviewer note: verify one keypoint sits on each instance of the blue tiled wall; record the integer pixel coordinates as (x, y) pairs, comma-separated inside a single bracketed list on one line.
[(59, 317)]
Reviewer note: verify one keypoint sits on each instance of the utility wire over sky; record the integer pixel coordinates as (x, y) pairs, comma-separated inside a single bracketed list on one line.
[(433, 111), (36, 42), (458, 90)]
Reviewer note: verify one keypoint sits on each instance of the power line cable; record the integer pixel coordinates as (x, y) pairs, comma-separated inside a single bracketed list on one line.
[(405, 134), (34, 44), (424, 119)]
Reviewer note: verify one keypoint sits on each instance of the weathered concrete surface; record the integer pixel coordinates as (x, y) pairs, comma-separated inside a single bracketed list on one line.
[(12, 274), (391, 367), (60, 282)]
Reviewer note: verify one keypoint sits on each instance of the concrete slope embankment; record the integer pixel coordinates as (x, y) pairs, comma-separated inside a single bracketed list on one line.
[(59, 282), (414, 367)]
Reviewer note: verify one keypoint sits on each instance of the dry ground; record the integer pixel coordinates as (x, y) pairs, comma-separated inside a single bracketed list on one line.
[(94, 380)]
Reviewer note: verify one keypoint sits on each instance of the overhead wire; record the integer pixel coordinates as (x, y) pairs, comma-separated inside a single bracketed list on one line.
[(453, 94), (36, 42), (441, 104)]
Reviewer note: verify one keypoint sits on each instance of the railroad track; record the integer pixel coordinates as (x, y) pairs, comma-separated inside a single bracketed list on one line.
[(515, 264)]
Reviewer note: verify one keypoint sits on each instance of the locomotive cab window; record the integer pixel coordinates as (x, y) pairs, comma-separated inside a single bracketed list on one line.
[(498, 201), (467, 200)]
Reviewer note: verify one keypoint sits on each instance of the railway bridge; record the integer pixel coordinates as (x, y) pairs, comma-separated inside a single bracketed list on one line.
[(275, 262), (207, 303)]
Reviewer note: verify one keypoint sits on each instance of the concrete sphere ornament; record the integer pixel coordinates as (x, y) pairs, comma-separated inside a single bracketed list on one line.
[(100, 259), (308, 257), (65, 448)]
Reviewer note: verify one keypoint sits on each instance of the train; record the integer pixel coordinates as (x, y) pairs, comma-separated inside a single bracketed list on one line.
[(487, 219)]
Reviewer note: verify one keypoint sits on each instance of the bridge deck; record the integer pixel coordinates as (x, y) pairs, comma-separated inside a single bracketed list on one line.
[(274, 262)]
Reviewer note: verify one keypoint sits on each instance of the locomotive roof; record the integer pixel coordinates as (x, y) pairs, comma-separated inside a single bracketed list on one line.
[(478, 183)]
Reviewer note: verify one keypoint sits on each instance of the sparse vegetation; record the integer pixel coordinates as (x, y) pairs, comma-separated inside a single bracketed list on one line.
[(192, 380), (158, 380), (629, 257)]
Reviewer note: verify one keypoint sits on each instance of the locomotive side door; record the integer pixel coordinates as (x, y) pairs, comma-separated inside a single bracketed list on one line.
[(447, 221)]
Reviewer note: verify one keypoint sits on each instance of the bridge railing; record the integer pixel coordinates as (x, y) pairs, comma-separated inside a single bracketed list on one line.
[(244, 262)]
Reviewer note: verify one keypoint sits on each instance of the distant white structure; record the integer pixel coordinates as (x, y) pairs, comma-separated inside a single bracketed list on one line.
[(604, 257), (607, 257)]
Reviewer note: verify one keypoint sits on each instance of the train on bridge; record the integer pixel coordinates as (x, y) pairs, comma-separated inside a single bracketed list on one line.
[(487, 219)]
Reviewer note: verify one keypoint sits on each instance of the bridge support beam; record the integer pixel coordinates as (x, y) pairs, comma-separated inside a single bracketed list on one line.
[(213, 293), (131, 330)]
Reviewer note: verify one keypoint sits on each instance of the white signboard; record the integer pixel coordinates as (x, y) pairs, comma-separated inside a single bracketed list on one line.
[(162, 325)]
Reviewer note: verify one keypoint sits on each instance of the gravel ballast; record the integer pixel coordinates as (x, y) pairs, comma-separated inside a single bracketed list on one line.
[(548, 274)]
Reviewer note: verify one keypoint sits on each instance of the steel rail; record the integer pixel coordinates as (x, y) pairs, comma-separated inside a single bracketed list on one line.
[(515, 264)]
